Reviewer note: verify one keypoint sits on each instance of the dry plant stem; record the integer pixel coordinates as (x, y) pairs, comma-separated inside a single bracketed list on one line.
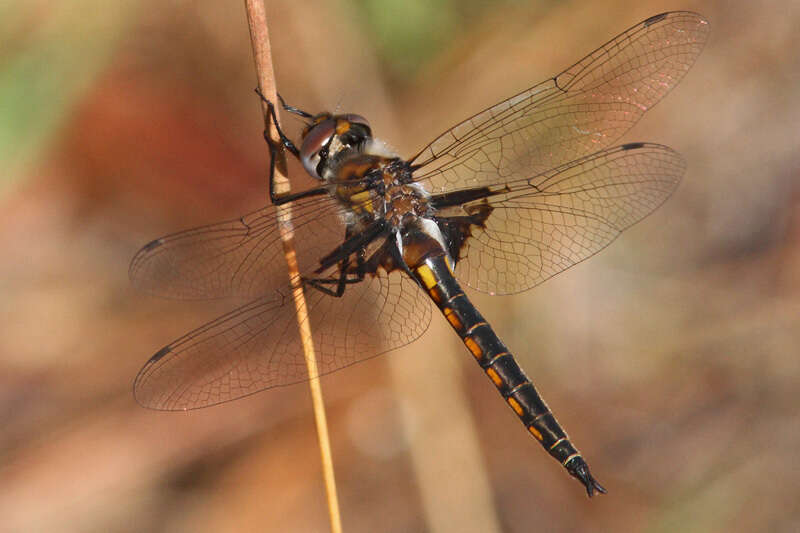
[(259, 35)]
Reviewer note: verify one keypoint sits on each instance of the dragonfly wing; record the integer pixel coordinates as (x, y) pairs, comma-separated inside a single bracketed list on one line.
[(582, 110), (242, 257), (541, 226), (258, 346)]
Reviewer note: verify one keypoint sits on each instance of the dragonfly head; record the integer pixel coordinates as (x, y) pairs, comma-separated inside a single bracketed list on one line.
[(328, 135)]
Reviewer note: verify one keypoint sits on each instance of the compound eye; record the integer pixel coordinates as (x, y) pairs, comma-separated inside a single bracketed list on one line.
[(314, 143), (353, 130), (356, 119)]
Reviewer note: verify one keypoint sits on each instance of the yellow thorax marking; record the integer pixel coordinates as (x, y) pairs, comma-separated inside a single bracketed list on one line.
[(360, 202)]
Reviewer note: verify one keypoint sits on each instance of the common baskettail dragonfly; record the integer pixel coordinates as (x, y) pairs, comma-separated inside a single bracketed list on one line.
[(500, 202)]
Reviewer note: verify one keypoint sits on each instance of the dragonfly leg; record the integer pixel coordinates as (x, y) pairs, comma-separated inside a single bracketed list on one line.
[(273, 153), (293, 109), (343, 280), (285, 141), (341, 283)]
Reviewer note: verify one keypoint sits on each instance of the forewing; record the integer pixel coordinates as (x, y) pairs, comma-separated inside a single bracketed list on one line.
[(584, 109), (258, 346), (541, 226), (243, 257)]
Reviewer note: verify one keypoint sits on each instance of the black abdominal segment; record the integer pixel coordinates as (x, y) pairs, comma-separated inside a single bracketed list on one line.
[(499, 365)]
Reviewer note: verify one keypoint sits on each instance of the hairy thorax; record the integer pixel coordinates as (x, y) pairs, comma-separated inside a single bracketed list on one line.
[(373, 186)]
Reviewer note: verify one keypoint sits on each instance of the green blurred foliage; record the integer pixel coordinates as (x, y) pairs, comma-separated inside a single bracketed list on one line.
[(406, 34), (49, 54)]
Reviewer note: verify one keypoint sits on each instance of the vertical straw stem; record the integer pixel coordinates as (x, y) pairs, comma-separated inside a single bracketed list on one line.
[(259, 35)]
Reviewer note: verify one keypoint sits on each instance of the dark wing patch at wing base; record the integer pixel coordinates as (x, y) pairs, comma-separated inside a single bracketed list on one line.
[(545, 224)]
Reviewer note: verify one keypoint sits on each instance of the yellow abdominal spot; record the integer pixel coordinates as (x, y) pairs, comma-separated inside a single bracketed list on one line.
[(449, 265), (435, 295), (473, 347), (452, 318), (426, 276), (535, 433), (515, 406), (495, 377)]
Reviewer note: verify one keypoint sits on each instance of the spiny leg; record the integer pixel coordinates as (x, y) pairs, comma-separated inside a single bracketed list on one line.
[(285, 141), (292, 109), (342, 281), (273, 152)]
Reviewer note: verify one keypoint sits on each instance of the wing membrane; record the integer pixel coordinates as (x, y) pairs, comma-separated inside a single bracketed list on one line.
[(582, 110), (241, 257), (543, 225), (258, 346)]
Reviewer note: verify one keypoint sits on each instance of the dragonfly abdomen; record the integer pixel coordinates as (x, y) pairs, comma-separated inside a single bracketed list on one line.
[(436, 277)]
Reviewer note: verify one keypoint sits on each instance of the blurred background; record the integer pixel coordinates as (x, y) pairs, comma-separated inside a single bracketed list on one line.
[(671, 358)]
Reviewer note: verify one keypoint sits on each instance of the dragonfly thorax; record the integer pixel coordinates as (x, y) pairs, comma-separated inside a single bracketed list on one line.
[(372, 186)]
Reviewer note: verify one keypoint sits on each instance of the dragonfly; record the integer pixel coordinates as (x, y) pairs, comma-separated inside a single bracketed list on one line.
[(500, 202)]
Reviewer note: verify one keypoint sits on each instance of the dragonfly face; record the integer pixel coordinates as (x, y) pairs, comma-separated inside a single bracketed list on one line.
[(328, 136), (514, 195)]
